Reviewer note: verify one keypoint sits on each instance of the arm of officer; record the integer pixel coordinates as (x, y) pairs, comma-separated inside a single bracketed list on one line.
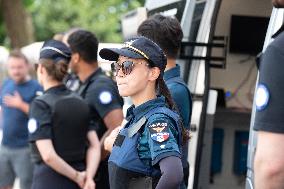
[(269, 161), (51, 158), (269, 120), (93, 158), (172, 173), (112, 120), (106, 101)]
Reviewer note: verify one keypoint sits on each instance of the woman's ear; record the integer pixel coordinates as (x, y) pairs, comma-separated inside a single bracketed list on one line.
[(154, 73)]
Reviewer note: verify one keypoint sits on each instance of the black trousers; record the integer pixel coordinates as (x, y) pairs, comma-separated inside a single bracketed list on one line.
[(102, 178), (45, 177)]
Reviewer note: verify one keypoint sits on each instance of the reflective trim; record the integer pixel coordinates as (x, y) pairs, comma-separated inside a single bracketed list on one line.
[(55, 49)]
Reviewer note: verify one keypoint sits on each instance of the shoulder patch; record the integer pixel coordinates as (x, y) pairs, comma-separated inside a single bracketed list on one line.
[(32, 125), (39, 93), (105, 97), (159, 131), (262, 97)]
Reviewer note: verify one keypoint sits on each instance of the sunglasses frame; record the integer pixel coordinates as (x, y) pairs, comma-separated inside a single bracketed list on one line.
[(126, 70)]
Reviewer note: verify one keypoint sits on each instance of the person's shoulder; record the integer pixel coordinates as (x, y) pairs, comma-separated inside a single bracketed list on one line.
[(278, 42), (39, 103), (101, 84), (160, 119), (35, 84), (6, 82), (177, 82), (178, 87), (101, 80)]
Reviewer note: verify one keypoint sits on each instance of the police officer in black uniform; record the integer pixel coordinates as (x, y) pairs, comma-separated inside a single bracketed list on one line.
[(269, 117), (147, 150), (66, 151), (98, 90)]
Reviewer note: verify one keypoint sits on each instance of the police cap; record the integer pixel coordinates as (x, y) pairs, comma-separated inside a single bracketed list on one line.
[(139, 47), (55, 50)]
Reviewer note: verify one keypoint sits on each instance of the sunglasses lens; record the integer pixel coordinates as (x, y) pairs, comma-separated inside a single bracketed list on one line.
[(127, 67), (113, 68)]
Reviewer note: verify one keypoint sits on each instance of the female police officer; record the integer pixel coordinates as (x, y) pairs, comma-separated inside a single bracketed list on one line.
[(58, 127), (146, 152)]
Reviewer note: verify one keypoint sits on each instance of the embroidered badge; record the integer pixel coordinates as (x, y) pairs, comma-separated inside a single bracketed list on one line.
[(105, 97), (262, 97), (32, 125), (159, 131)]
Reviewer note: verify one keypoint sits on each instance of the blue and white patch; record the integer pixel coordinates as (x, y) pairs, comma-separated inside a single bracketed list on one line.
[(39, 93), (262, 97), (32, 125), (105, 97), (159, 131), (160, 137)]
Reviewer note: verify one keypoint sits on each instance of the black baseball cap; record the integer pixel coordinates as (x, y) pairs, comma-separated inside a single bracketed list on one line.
[(55, 50), (139, 47)]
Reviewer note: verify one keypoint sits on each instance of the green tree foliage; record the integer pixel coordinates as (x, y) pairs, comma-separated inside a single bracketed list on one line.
[(99, 16)]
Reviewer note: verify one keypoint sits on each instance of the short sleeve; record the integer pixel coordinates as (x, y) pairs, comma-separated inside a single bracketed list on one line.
[(270, 91), (162, 138), (103, 97), (39, 124)]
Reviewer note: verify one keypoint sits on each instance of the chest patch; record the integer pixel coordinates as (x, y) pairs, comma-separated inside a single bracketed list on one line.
[(159, 131)]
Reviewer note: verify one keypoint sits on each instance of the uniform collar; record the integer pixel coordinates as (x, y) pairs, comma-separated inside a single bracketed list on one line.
[(97, 72), (173, 72), (55, 89), (139, 111)]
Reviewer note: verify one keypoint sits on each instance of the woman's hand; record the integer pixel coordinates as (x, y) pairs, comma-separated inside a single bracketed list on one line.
[(80, 178), (90, 184)]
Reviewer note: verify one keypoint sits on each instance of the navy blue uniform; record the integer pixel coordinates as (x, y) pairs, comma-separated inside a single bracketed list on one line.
[(151, 134), (269, 94), (63, 117)]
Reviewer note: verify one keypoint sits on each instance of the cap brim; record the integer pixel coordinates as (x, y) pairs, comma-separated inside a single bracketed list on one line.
[(112, 54)]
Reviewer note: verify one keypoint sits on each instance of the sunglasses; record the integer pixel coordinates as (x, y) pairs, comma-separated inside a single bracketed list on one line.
[(126, 67)]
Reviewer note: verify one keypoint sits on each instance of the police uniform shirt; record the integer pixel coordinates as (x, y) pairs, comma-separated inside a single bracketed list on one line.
[(180, 94), (159, 138), (40, 123), (270, 90), (102, 96)]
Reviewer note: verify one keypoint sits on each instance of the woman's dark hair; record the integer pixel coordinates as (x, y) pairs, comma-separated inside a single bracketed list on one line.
[(163, 90), (57, 70), (165, 31)]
